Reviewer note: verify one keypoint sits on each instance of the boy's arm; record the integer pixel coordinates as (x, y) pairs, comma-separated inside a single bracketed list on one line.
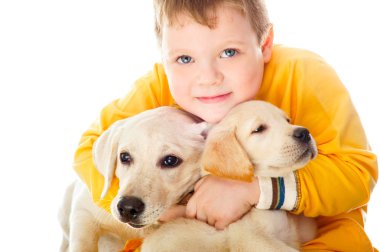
[(344, 173), (148, 92)]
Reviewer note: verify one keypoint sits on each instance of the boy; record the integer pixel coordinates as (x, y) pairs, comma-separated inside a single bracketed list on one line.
[(217, 54)]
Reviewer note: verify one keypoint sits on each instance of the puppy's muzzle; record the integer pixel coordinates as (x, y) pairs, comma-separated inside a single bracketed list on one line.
[(130, 208)]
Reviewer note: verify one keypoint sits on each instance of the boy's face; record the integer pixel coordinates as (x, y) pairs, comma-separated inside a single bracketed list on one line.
[(211, 70)]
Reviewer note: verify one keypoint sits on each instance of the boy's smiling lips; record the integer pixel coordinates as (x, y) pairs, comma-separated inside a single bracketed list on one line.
[(214, 99)]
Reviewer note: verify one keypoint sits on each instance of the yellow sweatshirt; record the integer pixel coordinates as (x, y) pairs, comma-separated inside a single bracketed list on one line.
[(335, 187)]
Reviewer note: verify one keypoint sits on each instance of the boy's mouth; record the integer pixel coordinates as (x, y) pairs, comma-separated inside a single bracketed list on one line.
[(214, 99)]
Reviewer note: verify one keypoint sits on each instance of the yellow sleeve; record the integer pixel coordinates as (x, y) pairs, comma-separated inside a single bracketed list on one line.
[(148, 92), (344, 173), (336, 186)]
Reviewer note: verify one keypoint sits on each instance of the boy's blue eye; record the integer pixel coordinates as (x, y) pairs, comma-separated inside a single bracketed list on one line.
[(184, 59), (228, 53)]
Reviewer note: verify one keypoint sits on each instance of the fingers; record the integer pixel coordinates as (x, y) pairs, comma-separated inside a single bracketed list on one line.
[(220, 225), (194, 210), (191, 208), (211, 221), (194, 213), (208, 206), (173, 213)]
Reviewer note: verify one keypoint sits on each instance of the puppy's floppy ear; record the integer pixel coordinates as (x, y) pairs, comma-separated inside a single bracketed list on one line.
[(224, 156), (104, 153)]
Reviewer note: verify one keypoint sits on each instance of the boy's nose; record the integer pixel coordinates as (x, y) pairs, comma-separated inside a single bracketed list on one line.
[(209, 75)]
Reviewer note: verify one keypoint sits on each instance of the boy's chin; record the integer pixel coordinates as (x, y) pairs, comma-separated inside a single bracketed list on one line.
[(210, 113), (213, 117)]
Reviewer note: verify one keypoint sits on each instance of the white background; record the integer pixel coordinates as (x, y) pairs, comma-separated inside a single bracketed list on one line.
[(62, 61)]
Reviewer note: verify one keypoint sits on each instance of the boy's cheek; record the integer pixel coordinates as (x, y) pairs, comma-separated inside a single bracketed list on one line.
[(179, 81)]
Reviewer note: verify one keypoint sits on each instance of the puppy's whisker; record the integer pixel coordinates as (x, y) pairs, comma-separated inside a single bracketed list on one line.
[(152, 216)]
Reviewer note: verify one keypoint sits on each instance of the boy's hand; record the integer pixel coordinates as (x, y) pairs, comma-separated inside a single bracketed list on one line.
[(219, 202)]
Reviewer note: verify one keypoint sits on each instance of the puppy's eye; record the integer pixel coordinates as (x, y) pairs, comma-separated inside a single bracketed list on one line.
[(288, 120), (125, 158), (170, 161), (259, 129)]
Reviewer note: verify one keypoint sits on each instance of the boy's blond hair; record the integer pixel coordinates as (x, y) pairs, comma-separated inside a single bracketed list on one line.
[(203, 12)]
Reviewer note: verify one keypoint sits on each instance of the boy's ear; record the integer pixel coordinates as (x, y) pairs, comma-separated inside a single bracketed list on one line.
[(267, 44), (105, 154), (223, 156)]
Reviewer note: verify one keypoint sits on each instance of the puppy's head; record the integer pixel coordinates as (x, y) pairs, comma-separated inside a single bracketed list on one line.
[(155, 155), (256, 137)]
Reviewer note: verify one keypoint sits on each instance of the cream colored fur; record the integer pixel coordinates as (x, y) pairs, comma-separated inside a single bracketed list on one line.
[(149, 137), (256, 138)]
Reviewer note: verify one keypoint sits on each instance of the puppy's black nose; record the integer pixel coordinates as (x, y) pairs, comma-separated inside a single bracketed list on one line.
[(130, 208), (302, 135)]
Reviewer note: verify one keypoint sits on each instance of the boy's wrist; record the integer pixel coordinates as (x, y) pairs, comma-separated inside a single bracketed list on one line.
[(255, 192)]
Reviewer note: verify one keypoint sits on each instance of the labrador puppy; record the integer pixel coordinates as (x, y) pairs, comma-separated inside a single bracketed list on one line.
[(256, 139), (155, 157)]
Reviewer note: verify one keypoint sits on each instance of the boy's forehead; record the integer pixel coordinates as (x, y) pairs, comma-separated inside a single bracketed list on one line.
[(221, 15), (184, 33), (229, 22)]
